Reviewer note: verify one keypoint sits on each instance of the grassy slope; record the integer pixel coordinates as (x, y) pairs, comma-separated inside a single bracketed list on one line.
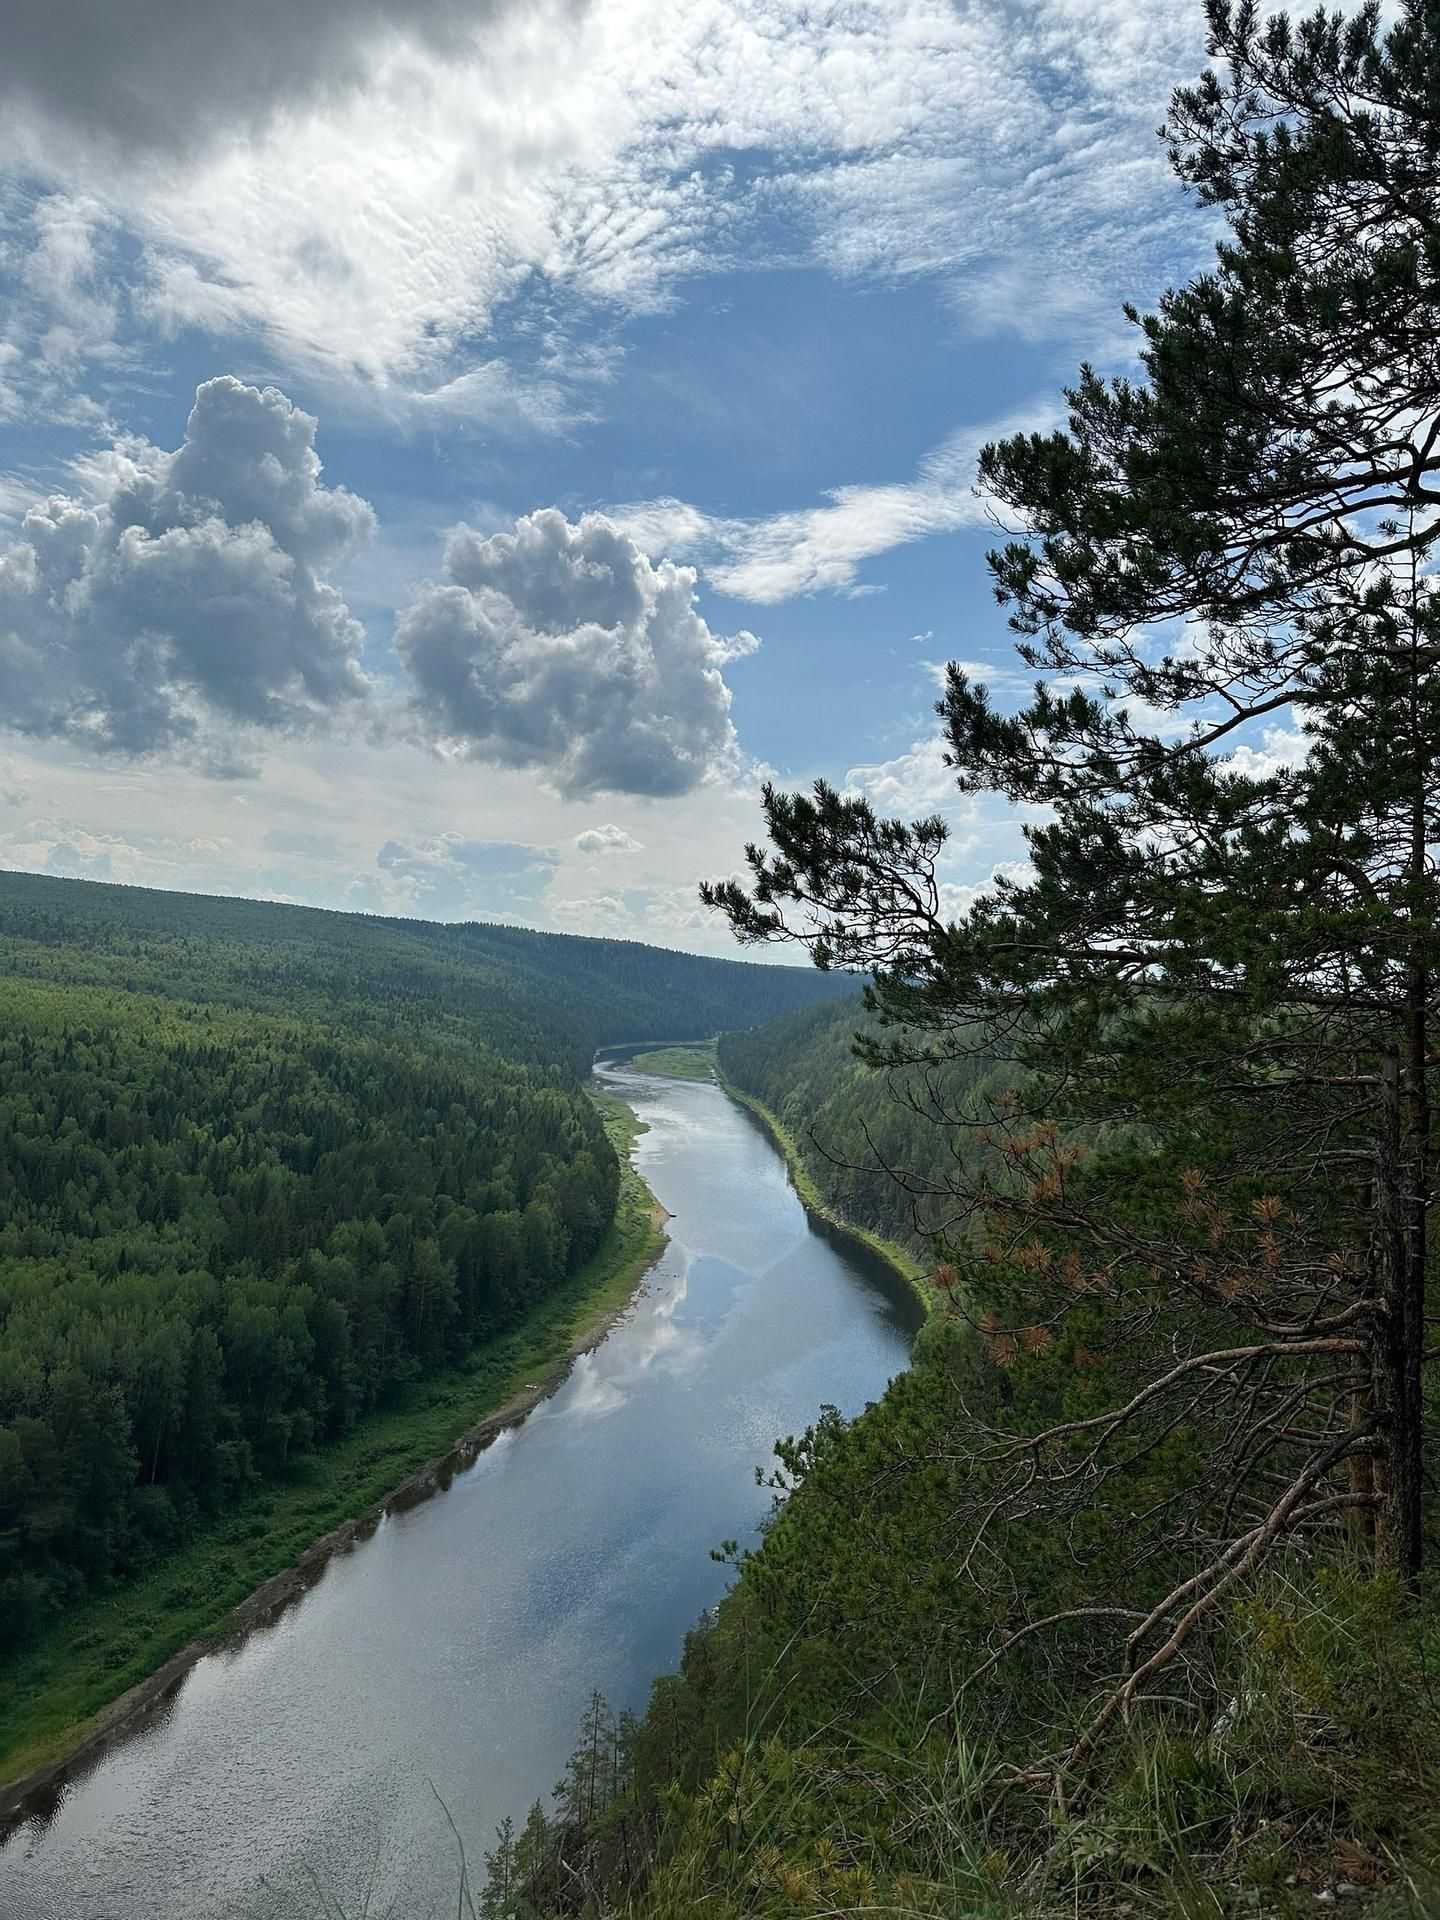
[(112, 1641)]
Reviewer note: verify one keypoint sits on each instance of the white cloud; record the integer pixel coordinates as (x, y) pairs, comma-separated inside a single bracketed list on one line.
[(820, 549), (957, 897), (1281, 750), (671, 915), (14, 791), (59, 253), (607, 839), (61, 846), (185, 593), (66, 274), (914, 784), (560, 647), (986, 833), (604, 913), (370, 185), (17, 496)]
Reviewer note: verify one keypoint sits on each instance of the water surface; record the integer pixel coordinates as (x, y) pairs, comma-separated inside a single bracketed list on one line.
[(450, 1654)]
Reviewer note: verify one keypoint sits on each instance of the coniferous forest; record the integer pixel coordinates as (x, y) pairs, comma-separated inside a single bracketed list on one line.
[(870, 1144), (262, 1169)]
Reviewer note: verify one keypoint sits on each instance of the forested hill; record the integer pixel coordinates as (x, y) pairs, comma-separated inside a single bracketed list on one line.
[(928, 1618), (546, 998), (854, 1131), (264, 1168)]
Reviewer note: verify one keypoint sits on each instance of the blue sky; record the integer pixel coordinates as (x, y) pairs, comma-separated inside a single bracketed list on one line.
[(451, 454)]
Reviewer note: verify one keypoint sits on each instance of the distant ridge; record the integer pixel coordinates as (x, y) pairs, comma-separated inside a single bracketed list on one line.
[(551, 998)]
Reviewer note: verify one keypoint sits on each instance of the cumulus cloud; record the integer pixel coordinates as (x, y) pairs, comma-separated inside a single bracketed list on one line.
[(958, 897), (561, 647), (607, 839), (61, 846), (1281, 749), (90, 859), (915, 783), (185, 589), (670, 914)]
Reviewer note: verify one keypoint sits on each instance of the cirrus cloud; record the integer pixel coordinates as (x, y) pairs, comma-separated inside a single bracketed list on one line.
[(820, 549)]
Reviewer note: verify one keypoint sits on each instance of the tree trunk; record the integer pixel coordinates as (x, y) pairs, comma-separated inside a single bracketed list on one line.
[(1401, 1210), (1417, 1202)]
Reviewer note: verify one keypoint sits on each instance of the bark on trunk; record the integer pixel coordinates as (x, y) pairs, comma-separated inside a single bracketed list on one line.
[(1401, 1211), (1417, 1207)]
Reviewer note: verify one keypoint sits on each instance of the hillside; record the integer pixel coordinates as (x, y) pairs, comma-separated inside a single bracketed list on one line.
[(856, 1131), (264, 1171), (548, 998), (862, 1724)]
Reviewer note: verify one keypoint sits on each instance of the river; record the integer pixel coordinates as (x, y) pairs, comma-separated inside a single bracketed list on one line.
[(447, 1657)]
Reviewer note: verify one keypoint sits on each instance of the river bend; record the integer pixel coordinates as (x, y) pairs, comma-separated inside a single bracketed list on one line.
[(448, 1656)]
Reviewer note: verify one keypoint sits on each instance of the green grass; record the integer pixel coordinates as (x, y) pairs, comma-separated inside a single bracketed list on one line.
[(911, 1271), (112, 1641), (623, 1128), (678, 1063)]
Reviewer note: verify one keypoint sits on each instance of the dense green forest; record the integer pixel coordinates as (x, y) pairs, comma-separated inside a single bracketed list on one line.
[(870, 1142), (548, 999), (261, 1170)]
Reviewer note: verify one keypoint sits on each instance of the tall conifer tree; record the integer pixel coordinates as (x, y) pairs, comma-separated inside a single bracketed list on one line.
[(1220, 918)]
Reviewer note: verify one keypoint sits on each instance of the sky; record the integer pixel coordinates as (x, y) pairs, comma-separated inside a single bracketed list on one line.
[(452, 452)]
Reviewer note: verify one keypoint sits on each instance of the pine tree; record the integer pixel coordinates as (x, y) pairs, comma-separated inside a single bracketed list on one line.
[(1225, 947), (501, 1894), (1273, 483)]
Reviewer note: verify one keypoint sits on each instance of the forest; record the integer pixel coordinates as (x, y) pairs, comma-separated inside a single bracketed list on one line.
[(870, 1144), (262, 1169)]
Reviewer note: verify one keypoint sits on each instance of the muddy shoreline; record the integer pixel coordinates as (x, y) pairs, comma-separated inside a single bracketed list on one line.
[(37, 1792)]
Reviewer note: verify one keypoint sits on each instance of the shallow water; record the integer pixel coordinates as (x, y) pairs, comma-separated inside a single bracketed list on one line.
[(448, 1656)]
